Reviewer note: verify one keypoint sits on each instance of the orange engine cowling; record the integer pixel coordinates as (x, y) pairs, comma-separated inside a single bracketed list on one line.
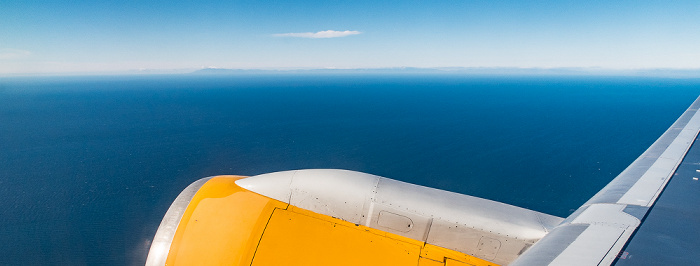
[(334, 217)]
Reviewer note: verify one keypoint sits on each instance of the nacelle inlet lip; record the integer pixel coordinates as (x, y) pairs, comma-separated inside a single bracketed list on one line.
[(160, 246)]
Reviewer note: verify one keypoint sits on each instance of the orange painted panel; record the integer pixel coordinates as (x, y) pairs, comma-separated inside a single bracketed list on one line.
[(449, 262), (295, 239), (222, 225), (429, 262), (443, 254)]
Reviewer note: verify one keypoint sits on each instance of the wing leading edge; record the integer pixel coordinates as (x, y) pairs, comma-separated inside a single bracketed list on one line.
[(598, 231)]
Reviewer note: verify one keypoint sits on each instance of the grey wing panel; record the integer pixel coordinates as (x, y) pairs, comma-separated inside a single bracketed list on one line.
[(614, 214), (669, 235)]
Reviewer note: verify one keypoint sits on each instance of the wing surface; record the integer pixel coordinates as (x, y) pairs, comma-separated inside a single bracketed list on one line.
[(646, 215)]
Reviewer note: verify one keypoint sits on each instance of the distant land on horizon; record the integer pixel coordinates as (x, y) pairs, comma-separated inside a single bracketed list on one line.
[(466, 71), (651, 72)]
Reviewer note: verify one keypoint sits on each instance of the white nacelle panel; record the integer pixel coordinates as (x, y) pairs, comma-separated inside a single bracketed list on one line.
[(486, 229)]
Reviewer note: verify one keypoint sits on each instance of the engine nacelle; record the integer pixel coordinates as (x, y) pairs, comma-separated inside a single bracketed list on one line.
[(339, 217)]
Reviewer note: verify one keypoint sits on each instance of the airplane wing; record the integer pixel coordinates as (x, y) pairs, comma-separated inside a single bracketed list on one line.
[(645, 216), (340, 217)]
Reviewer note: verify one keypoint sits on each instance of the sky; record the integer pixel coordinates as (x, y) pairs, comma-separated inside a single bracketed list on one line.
[(110, 36)]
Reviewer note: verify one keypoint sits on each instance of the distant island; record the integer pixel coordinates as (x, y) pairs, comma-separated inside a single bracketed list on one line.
[(455, 71), (496, 71)]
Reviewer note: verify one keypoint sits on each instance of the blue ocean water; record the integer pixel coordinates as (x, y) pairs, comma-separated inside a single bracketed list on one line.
[(89, 165)]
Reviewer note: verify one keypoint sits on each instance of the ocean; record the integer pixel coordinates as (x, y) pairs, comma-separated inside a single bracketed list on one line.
[(89, 165)]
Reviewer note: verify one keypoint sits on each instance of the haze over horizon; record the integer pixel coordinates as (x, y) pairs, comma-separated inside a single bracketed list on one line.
[(110, 36)]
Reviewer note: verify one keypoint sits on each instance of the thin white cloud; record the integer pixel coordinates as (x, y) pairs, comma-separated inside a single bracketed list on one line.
[(13, 53), (320, 34)]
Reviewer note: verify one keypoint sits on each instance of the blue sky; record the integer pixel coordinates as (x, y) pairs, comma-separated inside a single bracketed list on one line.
[(102, 36)]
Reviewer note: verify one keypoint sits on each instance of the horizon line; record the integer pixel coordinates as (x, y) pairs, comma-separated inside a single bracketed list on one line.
[(445, 69)]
